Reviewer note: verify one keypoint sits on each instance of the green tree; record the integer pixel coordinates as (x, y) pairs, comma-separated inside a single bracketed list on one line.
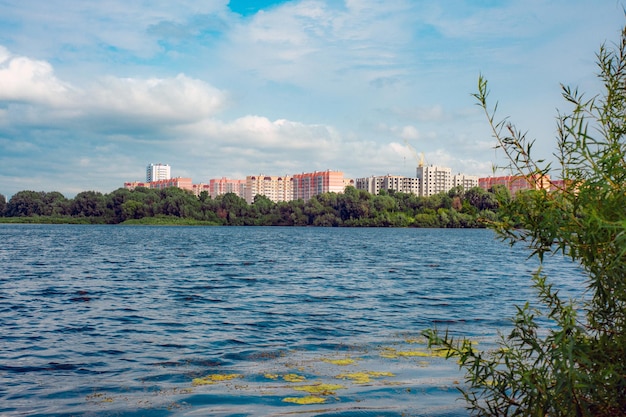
[(133, 210), (54, 204), (25, 204), (3, 204), (234, 209), (563, 358), (261, 211), (88, 204), (354, 204)]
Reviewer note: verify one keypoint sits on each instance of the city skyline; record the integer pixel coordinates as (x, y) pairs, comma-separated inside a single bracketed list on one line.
[(224, 88), (428, 181)]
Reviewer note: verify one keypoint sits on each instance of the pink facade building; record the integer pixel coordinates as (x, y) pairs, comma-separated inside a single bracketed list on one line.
[(131, 185), (276, 188), (515, 183), (224, 185), (184, 183), (311, 184)]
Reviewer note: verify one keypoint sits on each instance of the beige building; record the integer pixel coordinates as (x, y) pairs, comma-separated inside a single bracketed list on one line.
[(221, 186), (276, 188), (434, 180), (465, 181), (397, 183)]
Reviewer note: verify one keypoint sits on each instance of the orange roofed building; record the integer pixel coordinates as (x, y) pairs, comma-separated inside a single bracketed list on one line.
[(184, 183), (311, 184), (515, 183), (221, 186), (276, 188)]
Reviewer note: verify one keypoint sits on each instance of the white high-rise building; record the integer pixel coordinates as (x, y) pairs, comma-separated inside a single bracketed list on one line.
[(465, 181), (373, 184), (434, 179), (157, 172)]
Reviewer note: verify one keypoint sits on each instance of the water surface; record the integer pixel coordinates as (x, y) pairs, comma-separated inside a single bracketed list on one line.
[(115, 320)]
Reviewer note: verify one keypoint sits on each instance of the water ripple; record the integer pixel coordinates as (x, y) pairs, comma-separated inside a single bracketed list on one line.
[(114, 320)]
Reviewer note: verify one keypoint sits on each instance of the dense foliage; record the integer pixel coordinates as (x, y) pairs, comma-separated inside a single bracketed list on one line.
[(564, 357), (457, 208)]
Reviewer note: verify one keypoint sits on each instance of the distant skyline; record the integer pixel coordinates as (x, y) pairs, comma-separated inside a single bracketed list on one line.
[(92, 92)]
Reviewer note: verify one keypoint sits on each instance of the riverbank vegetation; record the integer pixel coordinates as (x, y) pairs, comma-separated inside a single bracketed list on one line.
[(563, 357), (173, 206)]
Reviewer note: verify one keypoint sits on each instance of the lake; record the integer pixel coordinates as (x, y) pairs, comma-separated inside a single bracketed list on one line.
[(248, 321)]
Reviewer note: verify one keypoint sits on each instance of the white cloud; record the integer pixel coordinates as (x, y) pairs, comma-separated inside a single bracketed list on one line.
[(259, 133), (410, 133), (27, 80), (41, 96), (179, 99)]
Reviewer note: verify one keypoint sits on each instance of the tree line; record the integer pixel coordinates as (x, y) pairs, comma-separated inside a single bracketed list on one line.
[(457, 208)]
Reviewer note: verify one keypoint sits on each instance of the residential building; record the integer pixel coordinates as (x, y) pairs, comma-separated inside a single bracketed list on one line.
[(433, 179), (515, 183), (276, 188), (157, 172), (184, 183), (221, 186), (199, 188), (397, 183), (131, 185), (465, 181), (307, 185)]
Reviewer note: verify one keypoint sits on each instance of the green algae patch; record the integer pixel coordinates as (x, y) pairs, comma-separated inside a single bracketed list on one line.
[(363, 377), (320, 389), (340, 362), (310, 399), (212, 379), (294, 378)]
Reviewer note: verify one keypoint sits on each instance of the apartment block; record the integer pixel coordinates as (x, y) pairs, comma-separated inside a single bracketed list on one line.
[(184, 183), (307, 185), (434, 179), (374, 184), (224, 185), (276, 188), (131, 185), (157, 172), (465, 181), (515, 183), (199, 188)]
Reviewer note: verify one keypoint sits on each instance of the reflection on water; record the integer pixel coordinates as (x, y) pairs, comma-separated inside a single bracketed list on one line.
[(114, 320)]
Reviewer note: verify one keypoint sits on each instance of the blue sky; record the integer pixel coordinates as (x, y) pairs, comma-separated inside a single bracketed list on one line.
[(91, 92)]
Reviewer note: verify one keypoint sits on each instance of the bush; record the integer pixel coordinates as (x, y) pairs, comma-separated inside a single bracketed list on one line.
[(575, 365)]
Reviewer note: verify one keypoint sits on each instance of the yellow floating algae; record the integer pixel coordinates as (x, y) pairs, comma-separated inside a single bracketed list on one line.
[(340, 362), (320, 389), (391, 353), (305, 400), (294, 378), (212, 379), (363, 377), (380, 374), (416, 340), (271, 376)]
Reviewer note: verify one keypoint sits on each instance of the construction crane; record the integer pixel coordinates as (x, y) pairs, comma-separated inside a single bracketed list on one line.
[(418, 157)]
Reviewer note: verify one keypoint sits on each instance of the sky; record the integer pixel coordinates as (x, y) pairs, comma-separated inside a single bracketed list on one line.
[(91, 92)]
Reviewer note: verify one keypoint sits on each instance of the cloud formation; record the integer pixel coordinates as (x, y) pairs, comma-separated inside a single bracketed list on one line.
[(90, 93)]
